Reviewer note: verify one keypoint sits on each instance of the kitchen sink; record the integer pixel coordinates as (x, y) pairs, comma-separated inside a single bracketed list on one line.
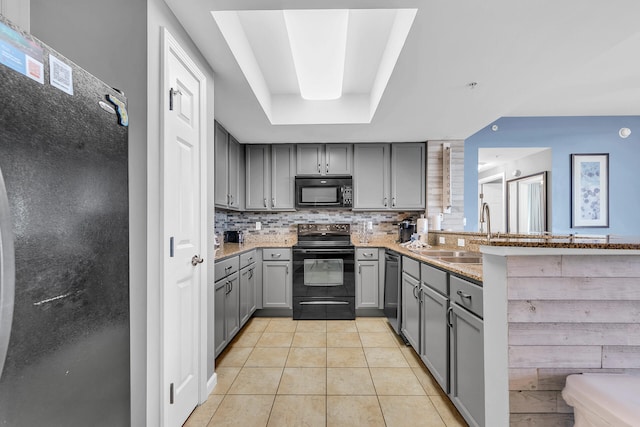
[(462, 259)]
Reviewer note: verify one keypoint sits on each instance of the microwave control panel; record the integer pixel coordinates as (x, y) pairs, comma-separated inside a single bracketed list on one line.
[(347, 196)]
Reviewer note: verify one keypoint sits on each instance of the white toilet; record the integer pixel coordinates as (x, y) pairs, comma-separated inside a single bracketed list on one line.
[(604, 400)]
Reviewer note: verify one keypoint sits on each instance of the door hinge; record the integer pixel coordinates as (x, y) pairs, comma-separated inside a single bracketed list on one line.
[(172, 92), (171, 247), (171, 394)]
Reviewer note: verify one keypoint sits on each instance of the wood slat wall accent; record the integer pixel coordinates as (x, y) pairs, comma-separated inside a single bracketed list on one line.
[(454, 220), (568, 314)]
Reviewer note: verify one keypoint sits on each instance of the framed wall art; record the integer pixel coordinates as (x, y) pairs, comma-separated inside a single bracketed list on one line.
[(590, 190)]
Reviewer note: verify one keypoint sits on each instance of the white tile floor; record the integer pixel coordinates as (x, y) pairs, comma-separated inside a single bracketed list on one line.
[(281, 372)]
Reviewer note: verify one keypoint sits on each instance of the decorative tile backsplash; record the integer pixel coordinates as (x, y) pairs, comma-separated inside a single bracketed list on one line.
[(286, 222)]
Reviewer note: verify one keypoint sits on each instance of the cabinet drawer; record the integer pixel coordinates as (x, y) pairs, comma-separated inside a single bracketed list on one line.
[(248, 258), (226, 267), (276, 254), (411, 267), (466, 294), (434, 278), (367, 253)]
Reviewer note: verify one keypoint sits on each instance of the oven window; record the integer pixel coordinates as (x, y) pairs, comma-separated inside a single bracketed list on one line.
[(323, 272), (319, 195)]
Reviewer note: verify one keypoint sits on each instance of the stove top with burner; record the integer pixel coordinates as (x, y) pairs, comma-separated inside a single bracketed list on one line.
[(325, 235)]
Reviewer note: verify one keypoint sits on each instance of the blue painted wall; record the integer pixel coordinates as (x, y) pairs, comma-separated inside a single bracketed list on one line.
[(565, 136)]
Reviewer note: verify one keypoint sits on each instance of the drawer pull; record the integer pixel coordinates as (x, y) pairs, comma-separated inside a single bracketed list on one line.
[(463, 295), (368, 254), (276, 255)]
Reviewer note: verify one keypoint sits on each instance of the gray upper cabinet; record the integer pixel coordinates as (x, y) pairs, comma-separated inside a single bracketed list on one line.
[(371, 171), (408, 178), (258, 167), (229, 171), (283, 168), (389, 176), (324, 159), (270, 177)]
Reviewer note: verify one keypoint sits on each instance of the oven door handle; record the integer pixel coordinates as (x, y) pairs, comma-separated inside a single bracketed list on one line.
[(325, 251), (324, 303)]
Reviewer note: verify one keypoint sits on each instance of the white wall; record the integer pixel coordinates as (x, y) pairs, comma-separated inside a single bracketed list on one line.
[(18, 12), (119, 42)]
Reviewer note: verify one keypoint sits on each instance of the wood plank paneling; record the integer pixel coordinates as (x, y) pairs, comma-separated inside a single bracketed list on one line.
[(534, 266), (523, 379), (541, 420), (601, 266), (555, 356), (574, 311), (621, 357), (574, 334), (533, 401), (574, 288)]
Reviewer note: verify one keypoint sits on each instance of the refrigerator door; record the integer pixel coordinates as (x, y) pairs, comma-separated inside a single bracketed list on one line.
[(7, 273), (64, 158)]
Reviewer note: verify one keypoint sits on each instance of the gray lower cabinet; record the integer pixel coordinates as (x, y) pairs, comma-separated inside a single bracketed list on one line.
[(247, 292), (227, 311), (367, 284), (435, 335), (411, 310), (466, 350), (276, 278)]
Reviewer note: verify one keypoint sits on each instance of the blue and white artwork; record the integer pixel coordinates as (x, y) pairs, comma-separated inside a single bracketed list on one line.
[(590, 191)]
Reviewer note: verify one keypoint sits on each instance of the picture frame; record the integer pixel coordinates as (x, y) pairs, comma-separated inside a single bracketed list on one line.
[(590, 190)]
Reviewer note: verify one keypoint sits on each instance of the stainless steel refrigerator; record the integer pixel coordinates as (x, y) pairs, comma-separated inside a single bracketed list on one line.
[(64, 241)]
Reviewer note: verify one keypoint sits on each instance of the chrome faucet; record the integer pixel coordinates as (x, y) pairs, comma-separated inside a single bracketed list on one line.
[(485, 208)]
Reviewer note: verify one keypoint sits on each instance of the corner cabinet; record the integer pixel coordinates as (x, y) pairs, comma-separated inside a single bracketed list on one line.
[(324, 159), (389, 176), (276, 278), (229, 170), (270, 177)]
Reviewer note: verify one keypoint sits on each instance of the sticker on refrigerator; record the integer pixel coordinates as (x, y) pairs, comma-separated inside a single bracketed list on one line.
[(61, 75), (20, 54)]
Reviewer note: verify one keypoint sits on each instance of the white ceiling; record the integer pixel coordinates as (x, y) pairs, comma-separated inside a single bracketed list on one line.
[(491, 157), (528, 57)]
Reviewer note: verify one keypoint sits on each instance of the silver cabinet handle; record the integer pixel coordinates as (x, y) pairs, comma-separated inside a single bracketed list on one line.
[(327, 167), (319, 166), (250, 258), (276, 255), (287, 270), (265, 202), (227, 286), (393, 202), (414, 292), (462, 294), (368, 254), (385, 202), (251, 275), (228, 268), (195, 260), (273, 202), (359, 268), (230, 199), (449, 311)]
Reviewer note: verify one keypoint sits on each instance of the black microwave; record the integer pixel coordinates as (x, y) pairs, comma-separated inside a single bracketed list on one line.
[(333, 192)]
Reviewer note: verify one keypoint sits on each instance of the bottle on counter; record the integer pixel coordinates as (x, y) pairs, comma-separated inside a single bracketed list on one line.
[(240, 237)]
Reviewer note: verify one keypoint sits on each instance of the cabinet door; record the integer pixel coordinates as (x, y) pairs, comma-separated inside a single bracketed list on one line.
[(467, 365), (219, 335), (258, 177), (367, 284), (247, 293), (283, 174), (408, 180), (232, 307), (221, 154), (371, 164), (411, 311), (338, 159), (435, 335), (276, 284), (309, 159), (236, 174)]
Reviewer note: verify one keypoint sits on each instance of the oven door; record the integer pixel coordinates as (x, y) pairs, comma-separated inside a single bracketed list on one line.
[(323, 283)]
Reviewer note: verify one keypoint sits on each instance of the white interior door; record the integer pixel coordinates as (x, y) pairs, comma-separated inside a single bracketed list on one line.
[(183, 229)]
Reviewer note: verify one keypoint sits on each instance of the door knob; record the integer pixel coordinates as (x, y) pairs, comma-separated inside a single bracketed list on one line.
[(196, 260)]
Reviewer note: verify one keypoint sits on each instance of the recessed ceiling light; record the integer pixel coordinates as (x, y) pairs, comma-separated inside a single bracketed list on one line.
[(624, 132), (318, 40)]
